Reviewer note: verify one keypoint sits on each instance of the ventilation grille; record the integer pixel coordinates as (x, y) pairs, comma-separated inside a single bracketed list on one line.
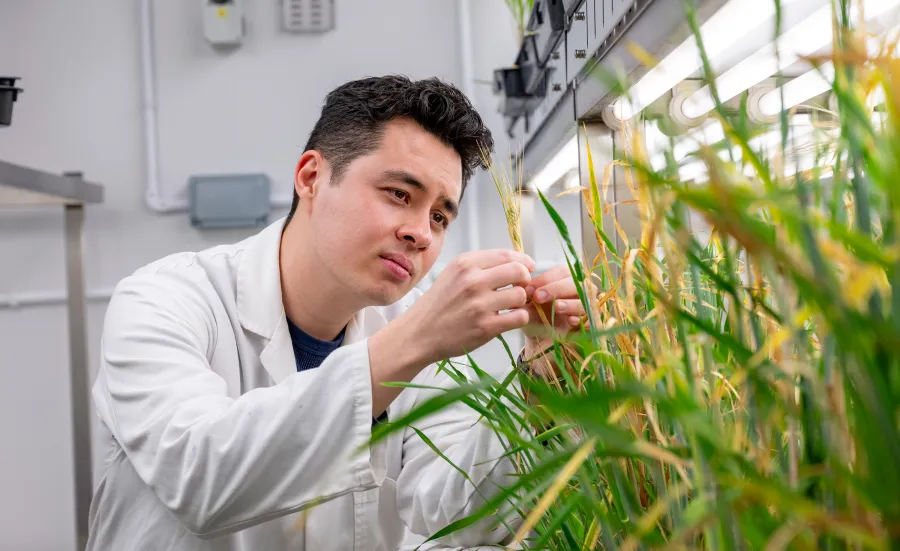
[(308, 16)]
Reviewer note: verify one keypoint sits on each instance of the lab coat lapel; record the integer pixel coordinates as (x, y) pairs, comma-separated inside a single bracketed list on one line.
[(366, 322), (259, 300), (278, 356)]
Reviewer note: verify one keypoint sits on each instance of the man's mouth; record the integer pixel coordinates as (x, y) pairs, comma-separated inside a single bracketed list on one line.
[(399, 265)]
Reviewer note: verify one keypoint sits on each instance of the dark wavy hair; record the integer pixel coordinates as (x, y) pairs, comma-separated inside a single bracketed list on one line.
[(354, 116)]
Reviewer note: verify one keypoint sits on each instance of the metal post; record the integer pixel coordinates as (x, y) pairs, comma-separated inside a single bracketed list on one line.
[(78, 368)]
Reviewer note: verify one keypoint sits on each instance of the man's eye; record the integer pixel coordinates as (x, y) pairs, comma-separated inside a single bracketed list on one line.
[(440, 219), (399, 194)]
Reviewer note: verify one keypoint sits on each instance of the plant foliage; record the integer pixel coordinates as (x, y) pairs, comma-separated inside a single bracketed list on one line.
[(738, 385)]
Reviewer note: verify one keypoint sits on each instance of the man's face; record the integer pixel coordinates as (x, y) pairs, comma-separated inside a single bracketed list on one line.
[(381, 228)]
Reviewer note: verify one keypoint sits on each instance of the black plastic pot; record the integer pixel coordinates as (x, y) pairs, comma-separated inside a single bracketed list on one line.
[(509, 85), (8, 95), (515, 100), (547, 24), (529, 65), (508, 81)]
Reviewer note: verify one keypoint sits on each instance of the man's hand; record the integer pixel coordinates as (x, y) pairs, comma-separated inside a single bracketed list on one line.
[(468, 305), (555, 294), (478, 296)]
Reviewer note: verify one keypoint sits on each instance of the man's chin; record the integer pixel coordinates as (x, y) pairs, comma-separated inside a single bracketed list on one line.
[(386, 297)]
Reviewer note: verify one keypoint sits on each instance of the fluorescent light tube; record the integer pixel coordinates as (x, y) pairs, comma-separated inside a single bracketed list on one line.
[(808, 85), (811, 84), (696, 170), (800, 136), (809, 36), (565, 160), (720, 32)]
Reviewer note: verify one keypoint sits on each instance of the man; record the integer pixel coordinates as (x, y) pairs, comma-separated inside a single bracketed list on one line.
[(238, 383)]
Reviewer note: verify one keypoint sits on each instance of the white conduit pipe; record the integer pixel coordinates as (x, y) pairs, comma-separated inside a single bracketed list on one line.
[(14, 301), (467, 78), (154, 196), (153, 193)]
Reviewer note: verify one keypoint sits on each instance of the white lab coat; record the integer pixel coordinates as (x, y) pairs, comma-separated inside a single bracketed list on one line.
[(213, 441)]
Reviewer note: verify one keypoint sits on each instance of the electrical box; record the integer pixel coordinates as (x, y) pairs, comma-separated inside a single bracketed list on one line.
[(223, 22), (307, 16), (229, 201)]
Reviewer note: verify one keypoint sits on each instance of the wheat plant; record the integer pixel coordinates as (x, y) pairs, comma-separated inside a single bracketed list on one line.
[(737, 388)]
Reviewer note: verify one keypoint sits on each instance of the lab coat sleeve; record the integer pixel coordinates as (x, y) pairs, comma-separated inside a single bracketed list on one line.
[(219, 463), (432, 493)]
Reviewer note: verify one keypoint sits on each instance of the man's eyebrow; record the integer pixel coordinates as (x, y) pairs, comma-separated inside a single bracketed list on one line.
[(409, 179)]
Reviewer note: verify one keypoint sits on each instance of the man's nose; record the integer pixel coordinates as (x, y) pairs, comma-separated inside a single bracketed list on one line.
[(417, 232)]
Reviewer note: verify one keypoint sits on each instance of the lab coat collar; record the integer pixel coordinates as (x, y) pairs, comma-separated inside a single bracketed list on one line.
[(261, 309)]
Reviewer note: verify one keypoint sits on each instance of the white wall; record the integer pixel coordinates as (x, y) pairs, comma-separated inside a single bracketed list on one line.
[(250, 110)]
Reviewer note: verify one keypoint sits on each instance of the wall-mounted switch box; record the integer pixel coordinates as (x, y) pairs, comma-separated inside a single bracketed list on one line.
[(307, 16), (230, 200), (223, 22)]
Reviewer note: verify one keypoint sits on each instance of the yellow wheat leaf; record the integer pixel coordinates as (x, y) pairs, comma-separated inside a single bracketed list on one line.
[(593, 535), (864, 282), (648, 449), (629, 279), (574, 190), (640, 54)]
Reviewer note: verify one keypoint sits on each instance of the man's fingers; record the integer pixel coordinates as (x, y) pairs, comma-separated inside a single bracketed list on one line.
[(507, 299), (569, 308), (563, 288), (495, 257), (511, 273), (564, 313), (508, 321), (551, 275)]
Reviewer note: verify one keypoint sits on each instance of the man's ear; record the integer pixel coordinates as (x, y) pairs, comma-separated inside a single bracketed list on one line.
[(311, 173)]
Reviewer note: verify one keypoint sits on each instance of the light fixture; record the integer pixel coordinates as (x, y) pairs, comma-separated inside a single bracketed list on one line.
[(712, 132), (800, 129), (558, 167), (697, 172), (806, 86), (807, 37), (720, 33), (811, 84)]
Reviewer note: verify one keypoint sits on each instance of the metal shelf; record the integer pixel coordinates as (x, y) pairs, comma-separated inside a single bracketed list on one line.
[(22, 186), (603, 27)]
